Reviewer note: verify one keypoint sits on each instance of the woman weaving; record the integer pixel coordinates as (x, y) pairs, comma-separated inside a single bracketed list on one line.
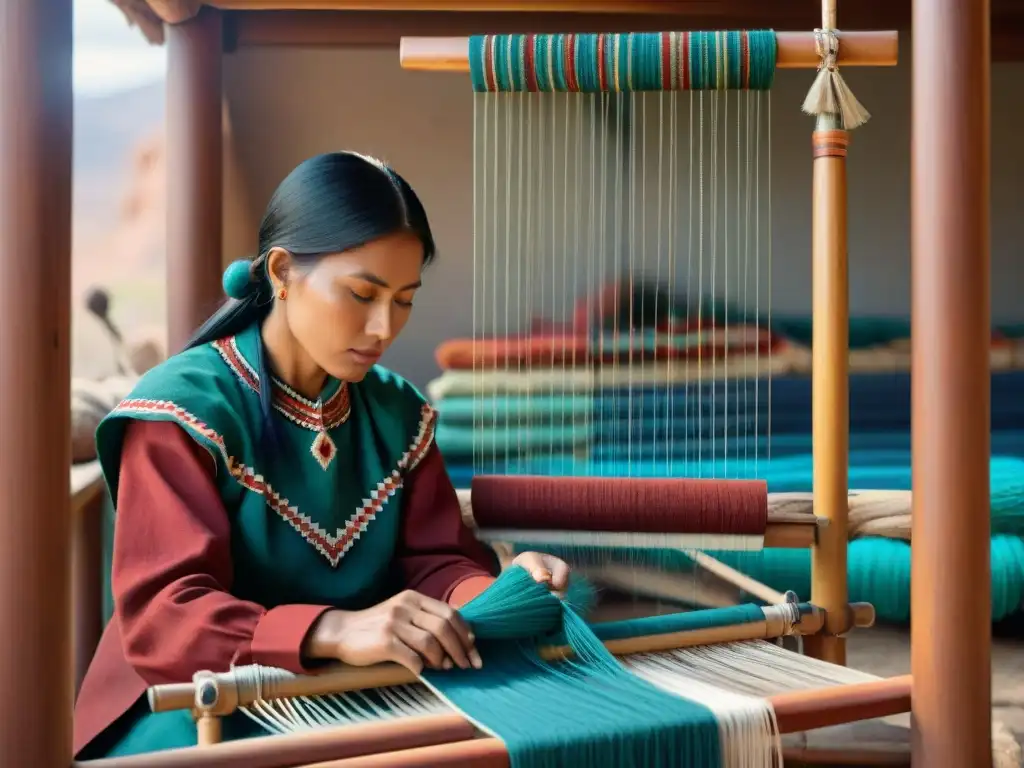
[(295, 524)]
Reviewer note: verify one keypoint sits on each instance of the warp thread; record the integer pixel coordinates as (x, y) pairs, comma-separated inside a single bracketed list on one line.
[(586, 710)]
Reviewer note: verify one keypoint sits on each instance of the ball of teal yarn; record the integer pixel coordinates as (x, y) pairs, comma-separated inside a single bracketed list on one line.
[(1007, 576), (237, 280), (879, 573)]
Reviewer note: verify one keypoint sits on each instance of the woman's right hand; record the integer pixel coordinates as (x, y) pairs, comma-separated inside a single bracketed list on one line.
[(410, 629)]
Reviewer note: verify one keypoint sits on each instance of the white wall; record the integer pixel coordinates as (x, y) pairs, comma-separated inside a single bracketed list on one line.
[(288, 104)]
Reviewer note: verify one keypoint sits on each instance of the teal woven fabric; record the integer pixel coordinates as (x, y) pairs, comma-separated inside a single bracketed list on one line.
[(588, 711)]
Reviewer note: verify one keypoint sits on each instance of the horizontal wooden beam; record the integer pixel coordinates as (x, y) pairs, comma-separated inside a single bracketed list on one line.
[(863, 14), (175, 11), (325, 28), (796, 50), (878, 13), (381, 28)]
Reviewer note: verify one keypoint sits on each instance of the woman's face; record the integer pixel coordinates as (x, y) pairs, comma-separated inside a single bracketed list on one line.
[(346, 311)]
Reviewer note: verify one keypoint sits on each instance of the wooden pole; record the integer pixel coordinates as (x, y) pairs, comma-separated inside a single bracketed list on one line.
[(830, 378), (87, 569), (950, 598), (195, 174), (795, 712), (35, 382), (795, 51)]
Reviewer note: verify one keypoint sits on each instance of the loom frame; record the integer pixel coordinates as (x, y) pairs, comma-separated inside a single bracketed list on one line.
[(795, 711), (950, 249)]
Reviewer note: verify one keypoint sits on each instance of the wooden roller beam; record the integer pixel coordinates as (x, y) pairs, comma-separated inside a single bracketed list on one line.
[(791, 520), (795, 51), (283, 751), (175, 696), (794, 712), (792, 523)]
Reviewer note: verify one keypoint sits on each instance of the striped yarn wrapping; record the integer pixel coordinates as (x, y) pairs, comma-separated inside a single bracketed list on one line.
[(637, 61)]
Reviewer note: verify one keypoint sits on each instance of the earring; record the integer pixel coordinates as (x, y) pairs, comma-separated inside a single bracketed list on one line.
[(282, 293)]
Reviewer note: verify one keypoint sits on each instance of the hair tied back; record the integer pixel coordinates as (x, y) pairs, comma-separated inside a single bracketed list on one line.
[(238, 280)]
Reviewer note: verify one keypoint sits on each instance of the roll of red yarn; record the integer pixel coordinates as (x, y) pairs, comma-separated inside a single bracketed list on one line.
[(641, 505)]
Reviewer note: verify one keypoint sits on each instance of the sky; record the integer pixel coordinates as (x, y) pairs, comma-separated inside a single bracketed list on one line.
[(109, 55)]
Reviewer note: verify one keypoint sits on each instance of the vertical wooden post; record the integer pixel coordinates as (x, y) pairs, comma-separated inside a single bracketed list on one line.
[(87, 572), (950, 601), (830, 387), (830, 384), (194, 173), (35, 361)]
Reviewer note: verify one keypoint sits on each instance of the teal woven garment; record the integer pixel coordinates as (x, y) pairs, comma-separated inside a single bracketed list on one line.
[(589, 711)]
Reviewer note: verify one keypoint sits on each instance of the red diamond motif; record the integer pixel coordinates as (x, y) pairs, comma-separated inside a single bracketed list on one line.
[(323, 449)]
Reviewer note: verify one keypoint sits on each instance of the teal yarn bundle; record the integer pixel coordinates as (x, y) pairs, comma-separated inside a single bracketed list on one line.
[(636, 61), (878, 570), (516, 607), (586, 711)]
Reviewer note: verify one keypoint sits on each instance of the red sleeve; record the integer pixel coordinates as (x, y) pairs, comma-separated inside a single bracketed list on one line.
[(172, 569), (438, 554)]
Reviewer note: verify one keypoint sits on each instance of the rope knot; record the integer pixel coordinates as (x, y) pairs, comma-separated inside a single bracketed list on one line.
[(830, 95), (826, 45)]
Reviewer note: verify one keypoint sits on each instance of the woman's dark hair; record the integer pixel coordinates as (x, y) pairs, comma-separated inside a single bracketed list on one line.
[(330, 203)]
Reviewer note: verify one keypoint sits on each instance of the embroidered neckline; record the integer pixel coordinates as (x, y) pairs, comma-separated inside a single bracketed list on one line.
[(332, 546), (315, 415)]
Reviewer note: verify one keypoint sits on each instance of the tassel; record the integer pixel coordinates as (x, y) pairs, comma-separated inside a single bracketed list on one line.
[(829, 94)]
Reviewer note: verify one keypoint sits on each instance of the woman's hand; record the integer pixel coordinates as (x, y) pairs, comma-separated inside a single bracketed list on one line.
[(409, 629), (545, 569)]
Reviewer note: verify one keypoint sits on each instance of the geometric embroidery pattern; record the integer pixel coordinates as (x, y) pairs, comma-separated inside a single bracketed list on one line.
[(332, 546), (309, 414)]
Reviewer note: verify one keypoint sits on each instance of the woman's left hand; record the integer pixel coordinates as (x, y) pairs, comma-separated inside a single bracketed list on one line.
[(545, 569)]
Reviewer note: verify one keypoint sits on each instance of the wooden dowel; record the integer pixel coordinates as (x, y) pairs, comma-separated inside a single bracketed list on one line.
[(795, 51), (660, 585), (830, 384), (802, 757), (742, 581), (790, 535), (806, 710), (174, 696), (209, 730), (292, 749), (87, 568), (479, 753), (794, 712), (796, 532), (828, 14)]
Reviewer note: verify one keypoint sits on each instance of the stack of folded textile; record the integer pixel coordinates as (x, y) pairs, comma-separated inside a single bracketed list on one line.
[(693, 388), (669, 387)]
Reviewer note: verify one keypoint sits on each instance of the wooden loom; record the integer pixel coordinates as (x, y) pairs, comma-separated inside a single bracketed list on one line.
[(212, 696), (951, 273)]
